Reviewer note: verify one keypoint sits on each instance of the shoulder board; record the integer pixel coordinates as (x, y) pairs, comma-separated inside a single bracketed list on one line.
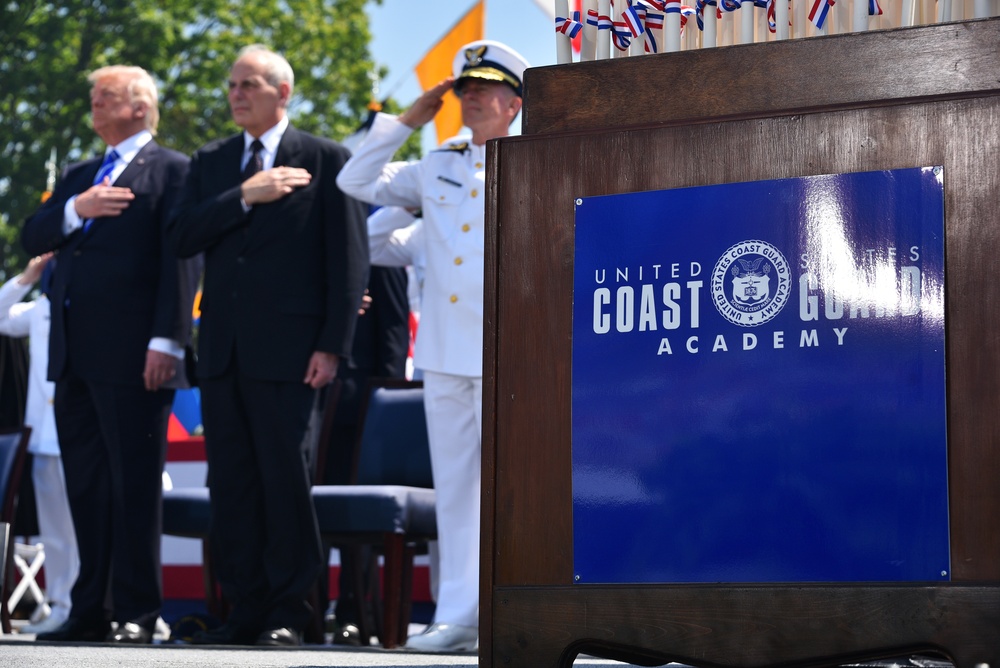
[(458, 147)]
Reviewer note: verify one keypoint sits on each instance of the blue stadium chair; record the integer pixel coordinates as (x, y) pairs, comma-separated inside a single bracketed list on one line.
[(391, 506)]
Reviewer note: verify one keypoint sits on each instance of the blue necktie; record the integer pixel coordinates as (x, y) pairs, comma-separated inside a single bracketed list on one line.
[(106, 168)]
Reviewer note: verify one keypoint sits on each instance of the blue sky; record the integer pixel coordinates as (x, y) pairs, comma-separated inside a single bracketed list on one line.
[(404, 30)]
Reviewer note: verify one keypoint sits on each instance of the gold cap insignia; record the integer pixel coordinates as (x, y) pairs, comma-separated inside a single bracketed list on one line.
[(474, 56)]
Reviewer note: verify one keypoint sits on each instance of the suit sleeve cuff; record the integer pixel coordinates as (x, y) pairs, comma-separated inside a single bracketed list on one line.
[(71, 219), (167, 346)]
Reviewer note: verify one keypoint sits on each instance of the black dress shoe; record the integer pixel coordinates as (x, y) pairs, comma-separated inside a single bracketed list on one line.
[(227, 634), (348, 634), (76, 629), (130, 633), (279, 637)]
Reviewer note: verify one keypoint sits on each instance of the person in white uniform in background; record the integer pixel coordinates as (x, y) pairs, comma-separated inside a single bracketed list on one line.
[(448, 186), (395, 239), (55, 524)]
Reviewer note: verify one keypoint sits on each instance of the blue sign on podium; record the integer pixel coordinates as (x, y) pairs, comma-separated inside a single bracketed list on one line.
[(759, 382)]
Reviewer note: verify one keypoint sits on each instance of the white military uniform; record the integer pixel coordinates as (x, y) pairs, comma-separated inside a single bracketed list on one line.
[(55, 524), (448, 185), (395, 239)]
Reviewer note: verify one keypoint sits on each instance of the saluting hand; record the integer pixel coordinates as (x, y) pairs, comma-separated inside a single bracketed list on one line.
[(33, 271), (273, 184), (103, 200), (427, 105)]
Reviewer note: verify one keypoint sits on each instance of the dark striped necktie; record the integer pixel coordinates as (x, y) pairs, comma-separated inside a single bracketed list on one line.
[(256, 161)]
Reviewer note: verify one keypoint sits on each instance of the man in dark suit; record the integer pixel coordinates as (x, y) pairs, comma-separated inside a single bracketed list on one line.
[(286, 259), (121, 316)]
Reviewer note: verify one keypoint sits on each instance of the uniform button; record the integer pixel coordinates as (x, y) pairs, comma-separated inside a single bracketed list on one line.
[(466, 227), (241, 259), (51, 402), (479, 165), (458, 260), (441, 198), (453, 298), (475, 193), (77, 253)]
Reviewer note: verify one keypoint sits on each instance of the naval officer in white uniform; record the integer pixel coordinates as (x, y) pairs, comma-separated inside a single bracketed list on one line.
[(448, 186), (55, 524)]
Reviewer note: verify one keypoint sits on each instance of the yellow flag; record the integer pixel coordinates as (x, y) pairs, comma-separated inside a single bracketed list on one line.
[(437, 64)]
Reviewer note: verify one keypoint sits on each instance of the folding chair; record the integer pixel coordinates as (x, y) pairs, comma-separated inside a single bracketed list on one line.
[(13, 452), (4, 538), (28, 560), (391, 508)]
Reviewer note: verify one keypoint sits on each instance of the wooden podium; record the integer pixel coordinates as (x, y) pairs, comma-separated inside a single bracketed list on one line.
[(827, 105)]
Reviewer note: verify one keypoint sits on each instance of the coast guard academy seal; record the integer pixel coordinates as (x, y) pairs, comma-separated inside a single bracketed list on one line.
[(751, 283)]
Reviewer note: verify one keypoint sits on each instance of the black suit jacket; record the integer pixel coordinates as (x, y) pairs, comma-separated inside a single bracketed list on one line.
[(282, 281), (123, 284), (381, 341)]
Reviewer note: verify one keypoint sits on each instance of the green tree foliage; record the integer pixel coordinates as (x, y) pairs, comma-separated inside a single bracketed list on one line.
[(188, 46)]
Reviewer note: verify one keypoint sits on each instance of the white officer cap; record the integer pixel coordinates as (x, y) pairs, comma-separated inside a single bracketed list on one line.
[(492, 61)]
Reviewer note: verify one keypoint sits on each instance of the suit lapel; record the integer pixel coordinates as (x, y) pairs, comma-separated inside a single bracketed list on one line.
[(138, 165), (231, 155), (132, 173), (288, 147)]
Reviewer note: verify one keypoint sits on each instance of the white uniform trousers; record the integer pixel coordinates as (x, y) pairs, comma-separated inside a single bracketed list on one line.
[(55, 526), (454, 408)]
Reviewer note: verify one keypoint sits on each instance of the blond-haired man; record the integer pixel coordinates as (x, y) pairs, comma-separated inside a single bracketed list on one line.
[(121, 316)]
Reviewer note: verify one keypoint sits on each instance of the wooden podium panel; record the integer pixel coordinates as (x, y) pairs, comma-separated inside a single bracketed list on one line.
[(851, 103)]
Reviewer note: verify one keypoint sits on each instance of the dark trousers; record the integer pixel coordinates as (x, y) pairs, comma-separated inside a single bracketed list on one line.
[(113, 442), (264, 534)]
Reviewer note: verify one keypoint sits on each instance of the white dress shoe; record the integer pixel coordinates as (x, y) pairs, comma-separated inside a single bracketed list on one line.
[(42, 611), (444, 638), (161, 631), (55, 619)]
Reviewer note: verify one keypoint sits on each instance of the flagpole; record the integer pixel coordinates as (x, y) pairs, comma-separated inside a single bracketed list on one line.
[(670, 35), (859, 22), (588, 40), (944, 11), (709, 15), (603, 41), (908, 15), (746, 22), (781, 19), (564, 46), (799, 22), (50, 178)]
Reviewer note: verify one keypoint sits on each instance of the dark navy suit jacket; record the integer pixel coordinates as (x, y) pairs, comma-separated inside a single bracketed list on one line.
[(124, 285)]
